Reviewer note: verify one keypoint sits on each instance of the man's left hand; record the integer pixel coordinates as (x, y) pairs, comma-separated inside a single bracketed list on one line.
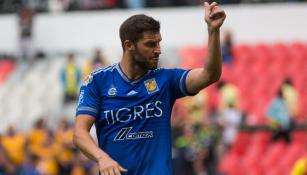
[(214, 16)]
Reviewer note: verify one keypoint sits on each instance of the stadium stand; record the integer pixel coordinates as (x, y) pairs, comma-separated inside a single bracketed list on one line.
[(264, 67), (262, 156), (32, 98), (6, 67)]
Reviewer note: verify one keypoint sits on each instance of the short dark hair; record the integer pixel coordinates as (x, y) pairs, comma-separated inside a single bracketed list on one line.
[(132, 28)]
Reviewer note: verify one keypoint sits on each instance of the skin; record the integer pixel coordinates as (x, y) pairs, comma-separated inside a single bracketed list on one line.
[(137, 59)]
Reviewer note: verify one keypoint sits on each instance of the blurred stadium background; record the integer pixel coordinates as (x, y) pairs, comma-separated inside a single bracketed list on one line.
[(239, 126)]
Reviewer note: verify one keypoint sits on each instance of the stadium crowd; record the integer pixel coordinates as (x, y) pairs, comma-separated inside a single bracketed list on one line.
[(42, 151), (203, 131), (11, 6)]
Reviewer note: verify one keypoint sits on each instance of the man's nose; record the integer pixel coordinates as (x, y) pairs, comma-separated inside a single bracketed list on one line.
[(158, 50)]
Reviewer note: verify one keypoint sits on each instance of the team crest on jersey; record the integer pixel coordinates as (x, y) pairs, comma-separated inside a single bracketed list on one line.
[(87, 80), (151, 86)]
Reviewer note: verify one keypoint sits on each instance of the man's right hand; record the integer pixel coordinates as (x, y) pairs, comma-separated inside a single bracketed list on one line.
[(108, 166)]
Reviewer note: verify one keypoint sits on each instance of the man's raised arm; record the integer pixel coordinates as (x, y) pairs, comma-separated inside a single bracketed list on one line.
[(199, 78)]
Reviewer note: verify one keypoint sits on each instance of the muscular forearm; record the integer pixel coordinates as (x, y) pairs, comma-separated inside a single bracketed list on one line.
[(213, 65), (200, 78), (84, 141)]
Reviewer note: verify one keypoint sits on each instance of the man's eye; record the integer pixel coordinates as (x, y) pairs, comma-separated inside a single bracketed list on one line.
[(151, 44)]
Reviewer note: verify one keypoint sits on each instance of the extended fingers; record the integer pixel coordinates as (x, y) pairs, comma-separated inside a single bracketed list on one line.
[(110, 171), (117, 172), (121, 169), (113, 171)]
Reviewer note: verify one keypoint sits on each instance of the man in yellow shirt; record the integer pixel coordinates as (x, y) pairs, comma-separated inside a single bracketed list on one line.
[(38, 134), (14, 145)]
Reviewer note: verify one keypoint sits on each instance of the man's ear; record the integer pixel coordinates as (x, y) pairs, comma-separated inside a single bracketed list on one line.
[(129, 45)]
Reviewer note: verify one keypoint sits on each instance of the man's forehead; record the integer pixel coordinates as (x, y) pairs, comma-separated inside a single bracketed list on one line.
[(152, 36)]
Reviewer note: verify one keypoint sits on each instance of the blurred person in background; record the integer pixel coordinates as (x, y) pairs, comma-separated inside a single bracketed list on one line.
[(46, 153), (135, 4), (14, 145), (29, 166), (136, 82), (63, 139), (229, 95), (78, 165), (98, 61), (291, 97), (300, 166), (195, 107), (83, 166), (25, 23), (6, 165), (37, 134), (231, 119), (196, 149), (186, 146), (227, 45), (279, 116), (71, 79)]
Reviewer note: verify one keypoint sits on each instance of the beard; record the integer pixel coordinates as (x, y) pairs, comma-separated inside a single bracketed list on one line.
[(143, 62)]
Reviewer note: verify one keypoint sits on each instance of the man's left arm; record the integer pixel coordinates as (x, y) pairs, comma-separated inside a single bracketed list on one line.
[(199, 78)]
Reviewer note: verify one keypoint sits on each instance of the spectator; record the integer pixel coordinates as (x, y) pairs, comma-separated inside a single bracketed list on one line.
[(30, 165), (231, 119), (186, 150), (228, 95), (208, 135), (98, 61), (195, 107), (226, 47), (63, 138), (83, 166), (280, 118), (26, 18), (6, 166), (291, 97), (71, 78), (135, 4), (38, 134), (14, 144), (46, 152)]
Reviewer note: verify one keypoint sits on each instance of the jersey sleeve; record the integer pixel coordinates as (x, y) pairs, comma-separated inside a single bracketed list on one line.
[(178, 82), (89, 99)]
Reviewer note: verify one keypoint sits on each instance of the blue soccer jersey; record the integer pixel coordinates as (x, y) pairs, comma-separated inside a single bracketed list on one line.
[(133, 117)]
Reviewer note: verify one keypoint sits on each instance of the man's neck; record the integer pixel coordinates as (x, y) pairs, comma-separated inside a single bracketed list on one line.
[(132, 70)]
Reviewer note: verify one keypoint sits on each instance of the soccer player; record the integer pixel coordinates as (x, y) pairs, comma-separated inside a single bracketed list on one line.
[(130, 102)]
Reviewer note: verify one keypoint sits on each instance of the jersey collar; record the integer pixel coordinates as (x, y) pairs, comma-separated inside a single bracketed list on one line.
[(125, 77)]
